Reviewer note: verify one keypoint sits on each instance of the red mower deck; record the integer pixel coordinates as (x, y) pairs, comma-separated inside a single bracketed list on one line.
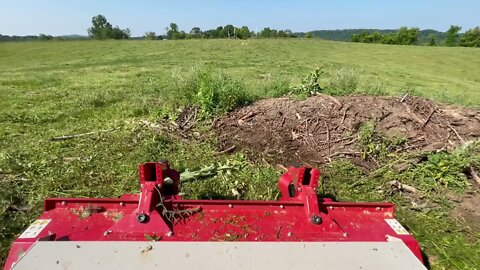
[(157, 229)]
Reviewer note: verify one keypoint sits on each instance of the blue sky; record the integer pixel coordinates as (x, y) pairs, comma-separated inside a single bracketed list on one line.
[(59, 17)]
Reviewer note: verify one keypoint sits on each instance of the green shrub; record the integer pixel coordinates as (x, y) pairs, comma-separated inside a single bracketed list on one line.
[(213, 93), (220, 93), (183, 88), (309, 86), (374, 144), (343, 82)]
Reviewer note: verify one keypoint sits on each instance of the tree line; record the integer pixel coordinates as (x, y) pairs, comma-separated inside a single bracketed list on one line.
[(227, 31), (102, 29), (410, 36)]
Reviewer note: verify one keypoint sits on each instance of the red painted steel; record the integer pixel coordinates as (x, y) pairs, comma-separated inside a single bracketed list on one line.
[(159, 214)]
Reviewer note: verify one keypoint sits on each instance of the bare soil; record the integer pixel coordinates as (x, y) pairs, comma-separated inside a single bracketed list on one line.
[(467, 210), (317, 129)]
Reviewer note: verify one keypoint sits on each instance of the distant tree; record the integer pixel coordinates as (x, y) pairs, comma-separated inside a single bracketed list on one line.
[(391, 38), (118, 33), (173, 33), (150, 36), (266, 33), (376, 37), (220, 32), (407, 36), (243, 32), (289, 33), (471, 38), (362, 37), (102, 29), (452, 35), (309, 35), (174, 27), (355, 38), (404, 36), (228, 31), (44, 37), (196, 32), (432, 40)]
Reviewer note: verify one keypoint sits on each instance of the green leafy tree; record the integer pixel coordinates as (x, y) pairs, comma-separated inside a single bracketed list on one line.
[(243, 32), (355, 38), (174, 27), (471, 38), (172, 32), (289, 33), (452, 35), (117, 33), (196, 32), (228, 31), (407, 36), (102, 29), (309, 35), (432, 40), (376, 37), (391, 38), (266, 33), (150, 36), (44, 37)]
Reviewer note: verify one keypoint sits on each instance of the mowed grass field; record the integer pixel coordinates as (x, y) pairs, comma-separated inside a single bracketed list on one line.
[(50, 89)]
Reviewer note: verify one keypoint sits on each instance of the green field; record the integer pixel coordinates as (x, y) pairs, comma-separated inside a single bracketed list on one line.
[(49, 89)]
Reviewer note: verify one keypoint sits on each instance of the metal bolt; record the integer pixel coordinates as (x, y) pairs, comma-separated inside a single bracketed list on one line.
[(331, 207), (345, 234), (64, 203), (168, 180), (316, 219), (299, 189), (289, 234), (142, 218), (230, 205), (378, 208), (122, 204), (107, 232), (281, 206), (170, 234)]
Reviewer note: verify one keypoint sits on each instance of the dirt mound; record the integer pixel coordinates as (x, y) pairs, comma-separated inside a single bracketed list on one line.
[(314, 130)]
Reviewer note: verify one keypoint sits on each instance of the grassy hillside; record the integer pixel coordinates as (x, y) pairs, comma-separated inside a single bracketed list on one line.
[(49, 89), (446, 74)]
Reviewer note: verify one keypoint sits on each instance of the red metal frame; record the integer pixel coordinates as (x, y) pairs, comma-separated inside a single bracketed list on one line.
[(158, 213)]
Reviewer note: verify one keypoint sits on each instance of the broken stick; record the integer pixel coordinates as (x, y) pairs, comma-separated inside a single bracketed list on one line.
[(413, 115), (474, 175), (66, 137), (396, 184), (428, 118), (228, 150), (456, 133)]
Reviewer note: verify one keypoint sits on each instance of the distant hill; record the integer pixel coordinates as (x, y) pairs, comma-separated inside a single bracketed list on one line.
[(345, 34)]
